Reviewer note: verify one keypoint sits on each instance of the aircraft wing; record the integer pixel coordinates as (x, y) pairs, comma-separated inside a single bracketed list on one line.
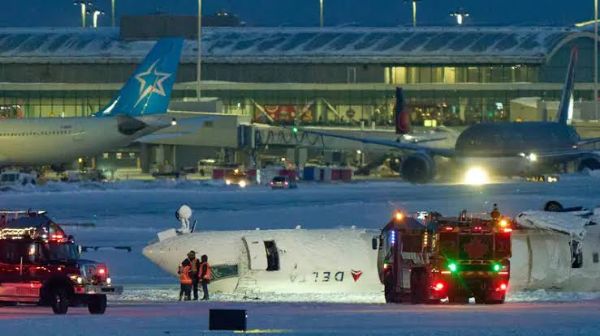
[(402, 145), (173, 128), (151, 138), (560, 155), (588, 141)]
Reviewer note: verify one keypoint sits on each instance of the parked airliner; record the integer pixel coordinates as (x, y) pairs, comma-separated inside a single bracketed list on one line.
[(503, 148), (138, 110)]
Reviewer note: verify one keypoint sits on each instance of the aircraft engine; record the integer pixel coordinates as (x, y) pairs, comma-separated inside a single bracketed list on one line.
[(129, 126), (418, 168)]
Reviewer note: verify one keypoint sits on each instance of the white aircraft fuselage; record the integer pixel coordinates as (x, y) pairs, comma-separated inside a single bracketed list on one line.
[(59, 140), (345, 261), (309, 261)]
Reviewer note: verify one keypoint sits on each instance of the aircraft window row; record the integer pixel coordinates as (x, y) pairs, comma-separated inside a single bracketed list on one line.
[(61, 132)]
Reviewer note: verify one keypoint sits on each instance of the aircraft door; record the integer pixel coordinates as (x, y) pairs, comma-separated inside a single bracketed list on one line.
[(257, 257)]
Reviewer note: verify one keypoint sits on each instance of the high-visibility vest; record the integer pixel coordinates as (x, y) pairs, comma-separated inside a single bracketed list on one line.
[(184, 276), (208, 274), (195, 264)]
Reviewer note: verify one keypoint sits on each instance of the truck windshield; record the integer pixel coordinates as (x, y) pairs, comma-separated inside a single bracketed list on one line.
[(58, 252)]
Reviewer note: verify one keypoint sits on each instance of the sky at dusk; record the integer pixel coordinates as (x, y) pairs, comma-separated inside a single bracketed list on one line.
[(306, 12)]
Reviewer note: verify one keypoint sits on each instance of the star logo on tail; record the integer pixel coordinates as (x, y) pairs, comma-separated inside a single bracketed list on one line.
[(151, 81)]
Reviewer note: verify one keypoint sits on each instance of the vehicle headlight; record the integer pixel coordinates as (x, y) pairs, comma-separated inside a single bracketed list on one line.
[(243, 184), (476, 176), (227, 182), (532, 157), (108, 281), (76, 279)]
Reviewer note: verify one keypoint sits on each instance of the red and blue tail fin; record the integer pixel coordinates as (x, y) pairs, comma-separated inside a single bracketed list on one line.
[(401, 117)]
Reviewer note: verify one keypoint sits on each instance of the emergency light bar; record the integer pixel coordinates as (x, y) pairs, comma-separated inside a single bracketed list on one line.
[(17, 233)]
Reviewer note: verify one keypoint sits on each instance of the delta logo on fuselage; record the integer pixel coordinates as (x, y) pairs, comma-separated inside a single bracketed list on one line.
[(330, 276)]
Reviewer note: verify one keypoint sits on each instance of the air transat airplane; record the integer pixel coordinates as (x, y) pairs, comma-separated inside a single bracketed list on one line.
[(138, 110), (506, 148)]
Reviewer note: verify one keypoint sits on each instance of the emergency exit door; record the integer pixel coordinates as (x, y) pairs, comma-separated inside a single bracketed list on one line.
[(257, 258), (263, 255)]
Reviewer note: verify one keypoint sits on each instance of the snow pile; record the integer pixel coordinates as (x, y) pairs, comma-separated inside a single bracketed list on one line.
[(170, 293)]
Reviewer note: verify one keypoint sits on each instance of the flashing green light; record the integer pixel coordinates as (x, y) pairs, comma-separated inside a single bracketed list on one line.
[(453, 267), (295, 129), (497, 267)]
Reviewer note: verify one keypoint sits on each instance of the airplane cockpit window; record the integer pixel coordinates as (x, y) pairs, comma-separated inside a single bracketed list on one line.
[(272, 256)]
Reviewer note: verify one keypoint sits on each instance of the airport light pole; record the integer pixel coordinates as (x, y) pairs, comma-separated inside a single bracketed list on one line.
[(113, 11), (321, 18), (199, 55), (95, 15), (83, 6), (460, 16), (414, 11), (596, 59)]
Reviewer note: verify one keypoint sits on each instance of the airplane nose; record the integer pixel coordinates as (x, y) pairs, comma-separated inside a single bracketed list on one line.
[(150, 252)]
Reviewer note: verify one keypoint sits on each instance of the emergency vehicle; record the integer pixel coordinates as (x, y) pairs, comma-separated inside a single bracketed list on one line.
[(40, 264), (237, 177), (431, 258)]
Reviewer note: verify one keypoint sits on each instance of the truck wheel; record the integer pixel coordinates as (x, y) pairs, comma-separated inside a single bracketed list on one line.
[(60, 301), (389, 290), (390, 294), (418, 286), (97, 304)]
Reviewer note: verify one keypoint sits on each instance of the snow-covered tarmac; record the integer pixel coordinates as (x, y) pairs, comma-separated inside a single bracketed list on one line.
[(131, 213), (548, 318)]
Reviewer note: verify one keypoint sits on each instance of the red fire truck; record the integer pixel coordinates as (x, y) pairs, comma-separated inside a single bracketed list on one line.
[(431, 258), (40, 264)]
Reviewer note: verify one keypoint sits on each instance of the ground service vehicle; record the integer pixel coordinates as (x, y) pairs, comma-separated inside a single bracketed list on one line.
[(283, 182), (237, 177), (39, 264), (432, 258)]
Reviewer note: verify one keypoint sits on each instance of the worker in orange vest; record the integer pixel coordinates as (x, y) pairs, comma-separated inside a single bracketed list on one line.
[(205, 275), (194, 265), (185, 281)]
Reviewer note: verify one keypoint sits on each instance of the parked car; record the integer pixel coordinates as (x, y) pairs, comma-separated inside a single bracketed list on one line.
[(14, 178), (283, 182)]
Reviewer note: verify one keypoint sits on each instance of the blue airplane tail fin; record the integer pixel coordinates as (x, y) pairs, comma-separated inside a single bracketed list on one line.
[(565, 109), (148, 90)]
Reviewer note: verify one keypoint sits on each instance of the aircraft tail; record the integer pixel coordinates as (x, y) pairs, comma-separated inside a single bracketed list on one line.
[(401, 117), (565, 109), (148, 90)]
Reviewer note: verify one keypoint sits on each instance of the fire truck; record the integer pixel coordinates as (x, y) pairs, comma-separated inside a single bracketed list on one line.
[(430, 258), (40, 264)]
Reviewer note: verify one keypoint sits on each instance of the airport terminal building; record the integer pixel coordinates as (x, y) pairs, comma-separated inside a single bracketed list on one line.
[(459, 75), (312, 76)]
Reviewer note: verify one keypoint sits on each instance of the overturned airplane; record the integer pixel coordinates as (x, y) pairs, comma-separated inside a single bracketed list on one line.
[(553, 249)]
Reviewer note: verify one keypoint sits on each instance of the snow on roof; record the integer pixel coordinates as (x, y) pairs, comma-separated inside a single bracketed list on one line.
[(460, 45)]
